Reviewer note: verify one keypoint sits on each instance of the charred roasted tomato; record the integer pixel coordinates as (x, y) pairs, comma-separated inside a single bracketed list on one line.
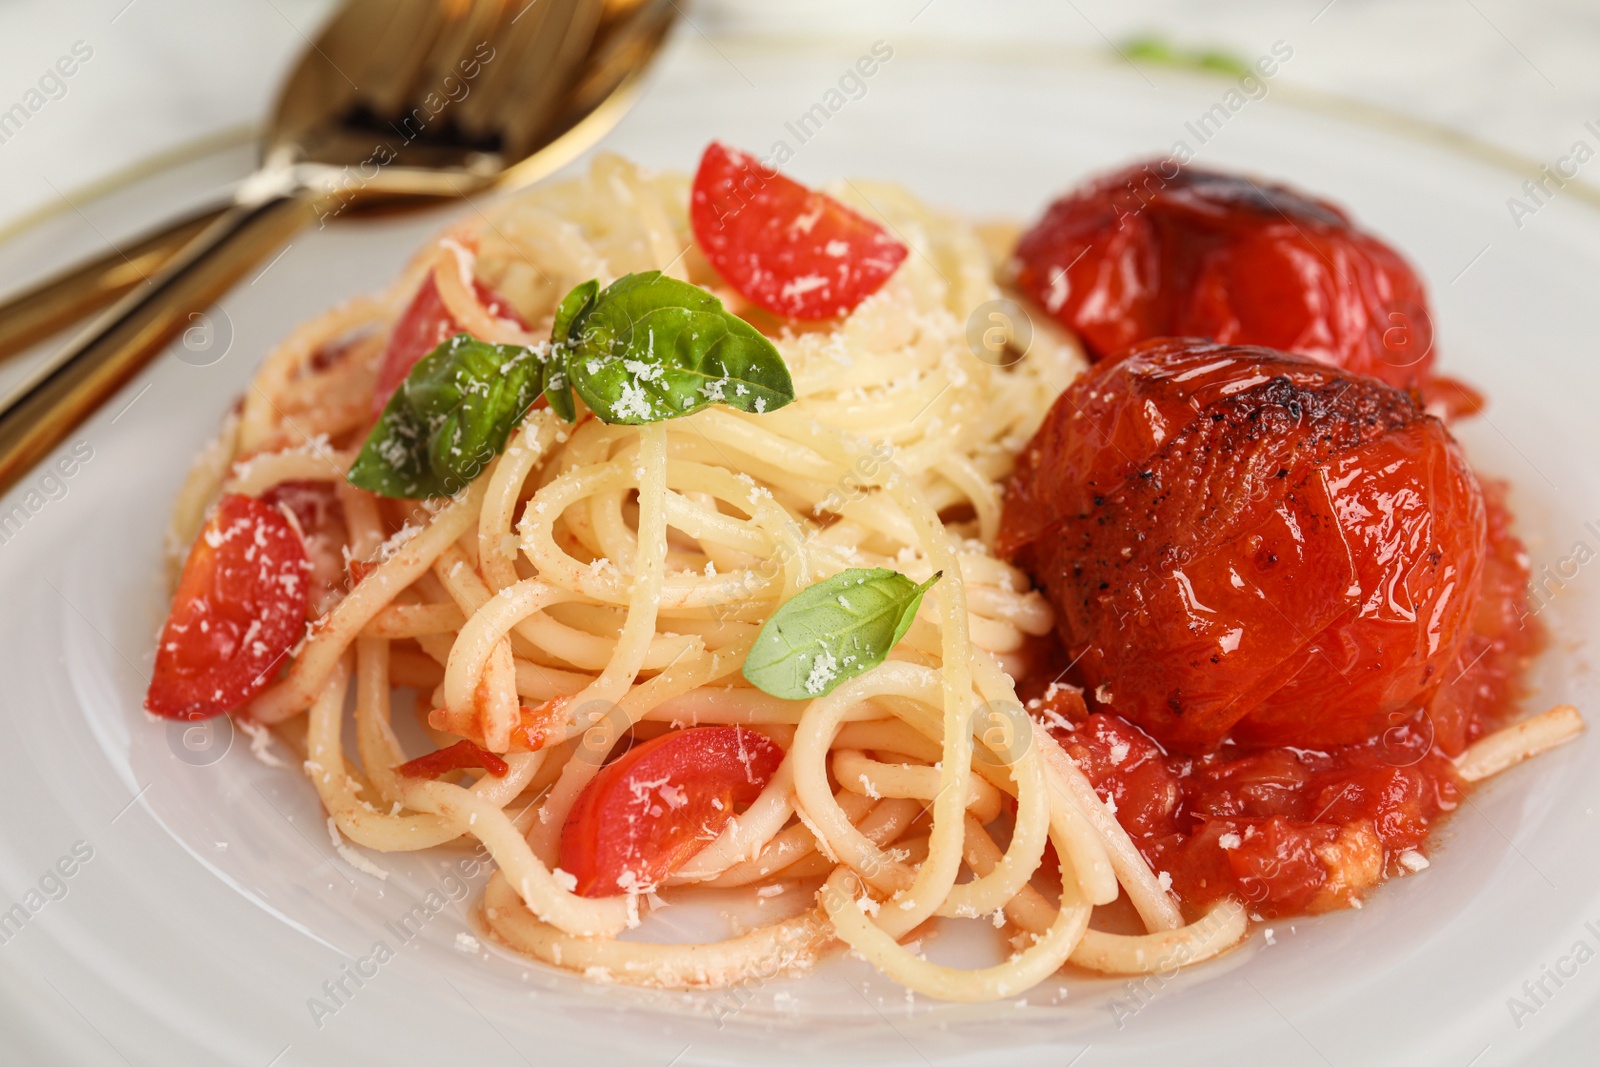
[(1246, 543), (1162, 251)]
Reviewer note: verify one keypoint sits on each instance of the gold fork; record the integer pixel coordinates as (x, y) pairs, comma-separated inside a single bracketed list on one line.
[(375, 114)]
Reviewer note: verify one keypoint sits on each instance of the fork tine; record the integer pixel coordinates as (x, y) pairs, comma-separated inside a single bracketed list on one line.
[(323, 83), (543, 80), (466, 35), (620, 48), (406, 43), (514, 37)]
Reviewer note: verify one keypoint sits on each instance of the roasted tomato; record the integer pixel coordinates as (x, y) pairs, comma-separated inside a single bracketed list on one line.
[(793, 250), (649, 811), (239, 608), (1245, 543), (424, 325), (1161, 251)]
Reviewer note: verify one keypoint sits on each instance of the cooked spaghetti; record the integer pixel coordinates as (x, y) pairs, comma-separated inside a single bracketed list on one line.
[(598, 584)]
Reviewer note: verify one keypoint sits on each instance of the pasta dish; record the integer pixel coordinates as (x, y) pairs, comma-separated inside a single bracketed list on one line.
[(663, 535)]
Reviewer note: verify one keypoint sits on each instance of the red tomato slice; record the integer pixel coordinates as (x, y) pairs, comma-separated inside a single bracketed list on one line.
[(647, 813), (790, 249), (239, 608), (458, 757), (423, 326)]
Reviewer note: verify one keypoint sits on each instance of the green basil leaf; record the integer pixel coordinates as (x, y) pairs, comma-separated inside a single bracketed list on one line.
[(833, 631), (449, 418), (558, 387), (649, 348), (572, 306)]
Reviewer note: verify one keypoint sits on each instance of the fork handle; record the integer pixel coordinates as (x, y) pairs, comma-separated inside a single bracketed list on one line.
[(117, 345), (52, 305)]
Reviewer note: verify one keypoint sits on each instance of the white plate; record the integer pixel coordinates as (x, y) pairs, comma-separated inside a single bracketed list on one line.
[(213, 907)]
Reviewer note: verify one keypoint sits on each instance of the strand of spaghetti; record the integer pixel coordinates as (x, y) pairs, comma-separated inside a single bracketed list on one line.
[(607, 690), (738, 705), (960, 472), (791, 946), (582, 650), (528, 448), (363, 525), (1096, 871), (340, 376), (323, 648), (648, 213), (751, 436), (859, 773), (1519, 741), (341, 791), (533, 882), (492, 699), (1224, 925), (609, 585), (935, 877), (259, 417), (413, 620), (814, 799), (356, 819), (888, 735), (592, 652), (1028, 612), (267, 469), (789, 854), (1025, 969), (484, 630), (539, 683), (748, 832), (1033, 821), (1011, 768), (1097, 881), (452, 275), (1153, 903), (375, 739)]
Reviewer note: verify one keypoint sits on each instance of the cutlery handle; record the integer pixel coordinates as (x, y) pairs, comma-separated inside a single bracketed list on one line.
[(73, 295), (117, 345)]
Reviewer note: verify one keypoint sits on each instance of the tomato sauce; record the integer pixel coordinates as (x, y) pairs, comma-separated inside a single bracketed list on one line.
[(1294, 830)]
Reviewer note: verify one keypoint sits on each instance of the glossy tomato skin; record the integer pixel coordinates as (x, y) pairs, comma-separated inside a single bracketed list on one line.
[(239, 607), (1248, 544), (1480, 690), (1156, 250), (794, 251), (425, 324), (647, 812)]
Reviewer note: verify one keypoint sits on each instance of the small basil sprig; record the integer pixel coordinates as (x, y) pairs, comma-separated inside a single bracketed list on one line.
[(644, 349), (833, 631), (449, 418), (649, 347)]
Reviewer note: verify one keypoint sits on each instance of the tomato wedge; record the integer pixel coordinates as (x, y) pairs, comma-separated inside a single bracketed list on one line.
[(239, 608), (790, 249), (458, 757), (647, 813), (424, 325)]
